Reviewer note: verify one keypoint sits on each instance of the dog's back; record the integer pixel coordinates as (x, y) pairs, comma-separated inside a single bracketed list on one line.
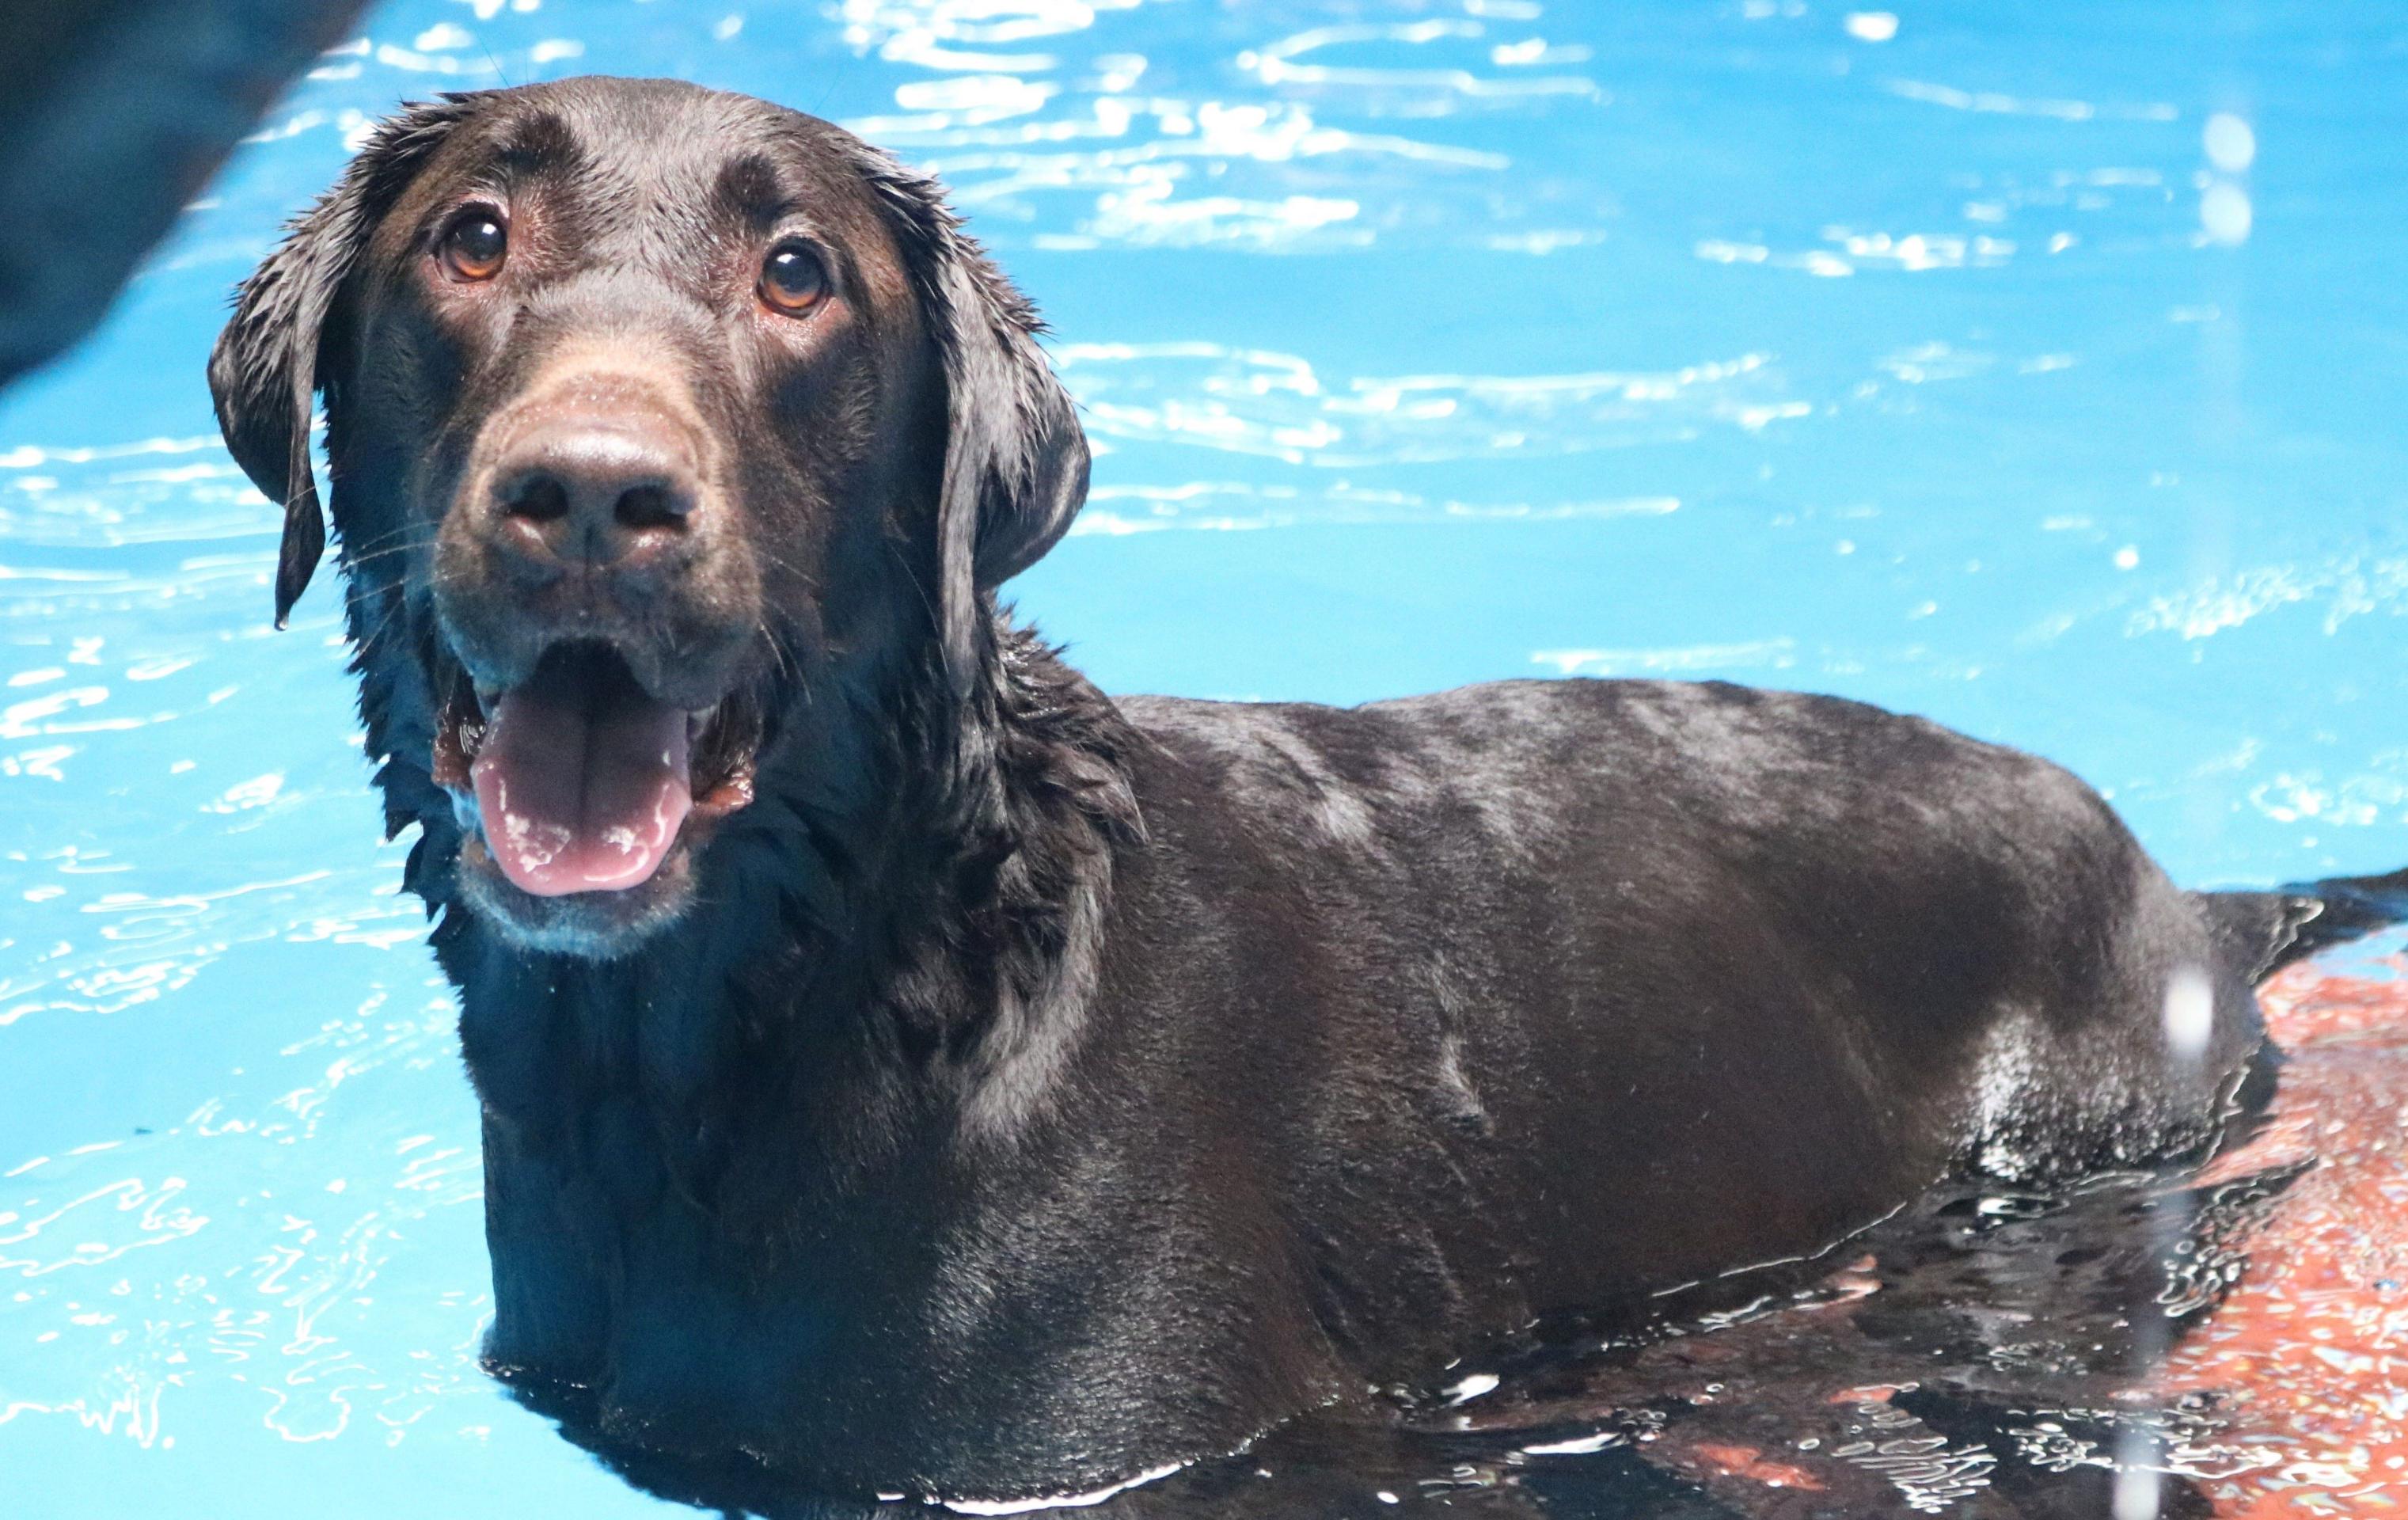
[(1685, 976)]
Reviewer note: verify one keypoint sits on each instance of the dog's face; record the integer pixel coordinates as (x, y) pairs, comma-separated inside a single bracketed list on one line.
[(656, 419)]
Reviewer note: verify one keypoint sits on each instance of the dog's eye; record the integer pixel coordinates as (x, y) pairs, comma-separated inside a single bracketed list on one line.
[(793, 280), (475, 245)]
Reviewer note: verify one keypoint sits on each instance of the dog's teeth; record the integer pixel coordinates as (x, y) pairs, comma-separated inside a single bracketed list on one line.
[(465, 812)]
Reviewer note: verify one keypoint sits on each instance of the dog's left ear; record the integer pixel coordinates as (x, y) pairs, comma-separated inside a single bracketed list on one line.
[(271, 360), (1015, 460)]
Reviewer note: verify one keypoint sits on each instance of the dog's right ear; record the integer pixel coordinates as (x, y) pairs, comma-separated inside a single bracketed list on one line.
[(271, 360)]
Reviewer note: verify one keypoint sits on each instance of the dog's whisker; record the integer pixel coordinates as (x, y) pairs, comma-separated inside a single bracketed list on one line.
[(357, 559)]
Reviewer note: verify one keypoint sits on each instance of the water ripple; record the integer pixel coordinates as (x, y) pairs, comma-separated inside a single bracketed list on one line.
[(1252, 401)]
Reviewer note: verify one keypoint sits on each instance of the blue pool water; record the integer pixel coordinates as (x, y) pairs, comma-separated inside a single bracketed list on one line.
[(2039, 368)]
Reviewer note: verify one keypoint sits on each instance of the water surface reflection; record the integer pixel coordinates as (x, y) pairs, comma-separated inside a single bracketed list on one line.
[(1924, 356)]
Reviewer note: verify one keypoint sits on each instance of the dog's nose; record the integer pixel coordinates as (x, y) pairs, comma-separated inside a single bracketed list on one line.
[(586, 492)]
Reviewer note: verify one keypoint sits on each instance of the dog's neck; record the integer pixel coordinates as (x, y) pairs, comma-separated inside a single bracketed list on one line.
[(897, 938)]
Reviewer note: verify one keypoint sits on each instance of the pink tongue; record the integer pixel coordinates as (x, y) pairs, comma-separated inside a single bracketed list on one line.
[(581, 795)]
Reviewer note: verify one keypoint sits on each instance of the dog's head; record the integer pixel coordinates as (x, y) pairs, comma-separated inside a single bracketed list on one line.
[(657, 419)]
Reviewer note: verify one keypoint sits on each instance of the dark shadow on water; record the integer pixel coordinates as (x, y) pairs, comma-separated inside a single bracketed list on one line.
[(1986, 1353)]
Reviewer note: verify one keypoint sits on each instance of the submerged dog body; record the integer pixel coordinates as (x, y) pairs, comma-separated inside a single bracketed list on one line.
[(1395, 1027), (908, 1070)]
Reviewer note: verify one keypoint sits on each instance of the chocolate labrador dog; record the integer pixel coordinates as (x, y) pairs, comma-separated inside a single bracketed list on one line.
[(908, 1070)]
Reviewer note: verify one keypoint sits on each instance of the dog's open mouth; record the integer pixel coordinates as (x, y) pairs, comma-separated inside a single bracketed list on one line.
[(580, 780)]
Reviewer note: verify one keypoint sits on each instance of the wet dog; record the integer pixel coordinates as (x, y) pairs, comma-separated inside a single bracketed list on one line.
[(909, 1070)]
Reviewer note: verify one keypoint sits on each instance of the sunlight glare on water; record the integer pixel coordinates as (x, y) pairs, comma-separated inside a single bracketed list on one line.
[(2040, 373)]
